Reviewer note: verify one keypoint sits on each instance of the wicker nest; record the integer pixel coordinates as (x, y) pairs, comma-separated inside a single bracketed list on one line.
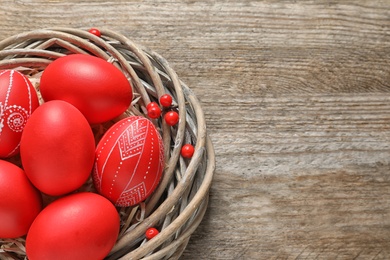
[(179, 203)]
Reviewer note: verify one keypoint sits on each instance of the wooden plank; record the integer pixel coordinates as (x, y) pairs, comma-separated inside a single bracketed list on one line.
[(296, 95)]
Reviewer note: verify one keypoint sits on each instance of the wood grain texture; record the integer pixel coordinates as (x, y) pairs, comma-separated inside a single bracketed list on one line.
[(297, 99)]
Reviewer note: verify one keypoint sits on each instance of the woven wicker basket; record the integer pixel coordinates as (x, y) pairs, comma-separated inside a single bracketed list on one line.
[(179, 203)]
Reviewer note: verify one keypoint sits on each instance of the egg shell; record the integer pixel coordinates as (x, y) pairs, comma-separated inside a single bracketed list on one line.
[(20, 201), (129, 161), (94, 86), (18, 99), (79, 226), (57, 148)]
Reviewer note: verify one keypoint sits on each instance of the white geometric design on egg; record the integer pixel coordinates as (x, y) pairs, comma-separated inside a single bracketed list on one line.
[(11, 79), (131, 143), (132, 140), (133, 195), (18, 100), (29, 97), (6, 99), (16, 117)]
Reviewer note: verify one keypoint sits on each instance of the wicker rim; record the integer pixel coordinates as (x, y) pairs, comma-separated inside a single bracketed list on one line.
[(180, 201)]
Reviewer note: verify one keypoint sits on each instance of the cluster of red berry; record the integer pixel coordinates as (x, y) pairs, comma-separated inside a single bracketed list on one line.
[(154, 111), (170, 117)]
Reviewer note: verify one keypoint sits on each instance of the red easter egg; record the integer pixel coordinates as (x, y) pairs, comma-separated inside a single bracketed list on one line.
[(18, 99), (57, 148), (94, 86), (20, 202), (129, 161), (79, 226)]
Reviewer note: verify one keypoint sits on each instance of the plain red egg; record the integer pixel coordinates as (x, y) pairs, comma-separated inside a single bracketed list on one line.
[(94, 86), (57, 148), (79, 226), (20, 202), (18, 99), (129, 161)]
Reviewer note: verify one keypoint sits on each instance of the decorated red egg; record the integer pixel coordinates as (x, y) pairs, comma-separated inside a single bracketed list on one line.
[(94, 86), (57, 148), (18, 100), (79, 226), (129, 161), (20, 201)]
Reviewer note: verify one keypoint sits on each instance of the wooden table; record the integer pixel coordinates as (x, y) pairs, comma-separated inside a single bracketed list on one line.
[(297, 99)]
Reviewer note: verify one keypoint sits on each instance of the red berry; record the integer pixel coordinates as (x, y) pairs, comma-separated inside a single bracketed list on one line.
[(171, 118), (151, 104), (187, 151), (95, 32), (166, 100), (154, 112), (151, 233)]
